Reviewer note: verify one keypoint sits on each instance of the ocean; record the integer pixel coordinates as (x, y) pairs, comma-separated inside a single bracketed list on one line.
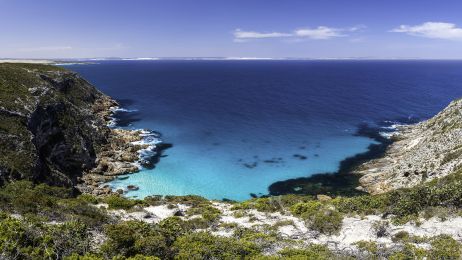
[(236, 127)]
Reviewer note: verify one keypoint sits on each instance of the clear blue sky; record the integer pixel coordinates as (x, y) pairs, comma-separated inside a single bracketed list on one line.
[(233, 28)]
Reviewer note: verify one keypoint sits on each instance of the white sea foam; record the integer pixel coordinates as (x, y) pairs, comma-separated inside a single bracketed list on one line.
[(119, 109), (387, 135), (390, 130)]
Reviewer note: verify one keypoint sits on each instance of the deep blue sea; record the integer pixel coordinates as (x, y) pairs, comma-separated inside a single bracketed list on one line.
[(239, 126)]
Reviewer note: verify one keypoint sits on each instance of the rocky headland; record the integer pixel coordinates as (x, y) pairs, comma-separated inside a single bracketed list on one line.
[(419, 153), (54, 129)]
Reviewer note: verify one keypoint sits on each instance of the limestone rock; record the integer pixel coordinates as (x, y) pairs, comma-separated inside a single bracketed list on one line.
[(421, 152)]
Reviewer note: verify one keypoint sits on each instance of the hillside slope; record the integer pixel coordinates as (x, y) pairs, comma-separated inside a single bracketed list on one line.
[(53, 129), (421, 152)]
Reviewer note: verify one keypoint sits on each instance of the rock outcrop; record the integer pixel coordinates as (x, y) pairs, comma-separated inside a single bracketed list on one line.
[(53, 129), (421, 152)]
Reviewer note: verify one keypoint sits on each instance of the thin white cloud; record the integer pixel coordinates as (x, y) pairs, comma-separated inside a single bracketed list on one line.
[(318, 33), (46, 48), (239, 34), (434, 30)]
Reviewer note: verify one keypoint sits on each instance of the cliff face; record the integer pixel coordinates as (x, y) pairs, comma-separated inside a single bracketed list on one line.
[(422, 152), (52, 124)]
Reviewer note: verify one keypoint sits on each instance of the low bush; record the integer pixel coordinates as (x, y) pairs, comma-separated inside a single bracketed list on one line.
[(24, 240), (203, 245), (444, 247), (48, 203), (312, 252), (319, 216), (116, 201)]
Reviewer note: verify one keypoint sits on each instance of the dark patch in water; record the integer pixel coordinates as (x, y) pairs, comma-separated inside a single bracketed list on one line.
[(341, 182), (274, 160), (253, 195), (301, 157), (250, 165)]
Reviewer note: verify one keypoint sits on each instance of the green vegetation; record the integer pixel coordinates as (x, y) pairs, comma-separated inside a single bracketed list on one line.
[(48, 204), (320, 217), (117, 201), (272, 204), (202, 245), (445, 247), (41, 221), (313, 252)]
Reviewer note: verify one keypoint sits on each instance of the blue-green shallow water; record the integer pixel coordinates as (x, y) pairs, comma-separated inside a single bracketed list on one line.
[(238, 126)]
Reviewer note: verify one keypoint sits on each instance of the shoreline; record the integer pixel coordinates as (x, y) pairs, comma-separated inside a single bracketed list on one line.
[(125, 152), (344, 181)]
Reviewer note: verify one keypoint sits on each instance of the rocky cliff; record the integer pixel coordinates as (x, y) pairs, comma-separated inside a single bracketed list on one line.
[(53, 129), (420, 153)]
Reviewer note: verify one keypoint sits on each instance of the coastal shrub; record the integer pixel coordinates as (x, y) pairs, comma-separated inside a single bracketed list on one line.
[(78, 210), (143, 257), (409, 251), (117, 201), (326, 221), (91, 199), (306, 209), (364, 204), (370, 247), (208, 212), (273, 203), (312, 252), (48, 202), (264, 240), (173, 227), (131, 238), (320, 217), (444, 247), (202, 245), (189, 200), (401, 236), (24, 240), (83, 257)]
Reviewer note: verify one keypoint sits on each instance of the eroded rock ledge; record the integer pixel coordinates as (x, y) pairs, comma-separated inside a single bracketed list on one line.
[(421, 152)]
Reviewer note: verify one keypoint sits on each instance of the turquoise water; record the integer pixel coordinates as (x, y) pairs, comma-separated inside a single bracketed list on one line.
[(238, 126), (216, 172)]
